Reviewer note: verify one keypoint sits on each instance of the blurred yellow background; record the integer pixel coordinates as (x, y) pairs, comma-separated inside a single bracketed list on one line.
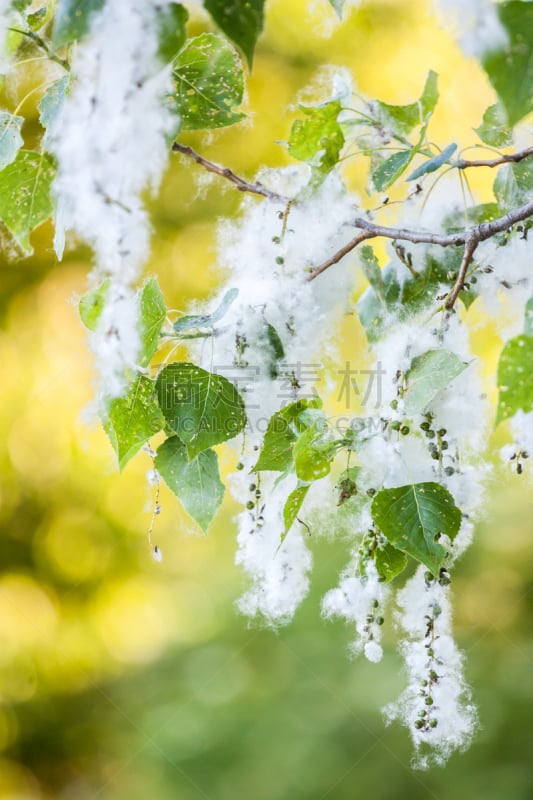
[(123, 678)]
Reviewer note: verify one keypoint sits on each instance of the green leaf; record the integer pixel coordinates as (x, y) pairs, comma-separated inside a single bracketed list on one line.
[(37, 19), (92, 303), (413, 517), (52, 101), (402, 119), (515, 377), (376, 304), (510, 70), (276, 347), (209, 83), (196, 483), (73, 19), (528, 317), (153, 313), (494, 129), (133, 419), (203, 408), (312, 457), (389, 562), (390, 170), (513, 185), (25, 198), (427, 376), (172, 31), (276, 453), (241, 21), (10, 139), (433, 164), (337, 5), (291, 508), (318, 139), (371, 269), (206, 320)]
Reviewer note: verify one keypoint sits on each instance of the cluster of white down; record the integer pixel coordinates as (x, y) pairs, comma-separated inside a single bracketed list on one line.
[(360, 599), (451, 708), (475, 24), (268, 262), (110, 141)]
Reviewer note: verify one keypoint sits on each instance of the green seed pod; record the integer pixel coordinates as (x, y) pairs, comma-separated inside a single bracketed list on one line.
[(250, 504)]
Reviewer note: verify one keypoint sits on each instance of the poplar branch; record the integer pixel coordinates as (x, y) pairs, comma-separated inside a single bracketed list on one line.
[(469, 238), (224, 172), (511, 158)]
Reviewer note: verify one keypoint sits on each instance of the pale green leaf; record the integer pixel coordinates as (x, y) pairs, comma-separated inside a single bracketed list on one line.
[(390, 562), (10, 139), (52, 101), (25, 197), (209, 82), (414, 517), (318, 138), (429, 374), (494, 129), (292, 508), (152, 315), (390, 170), (402, 119), (203, 408), (281, 433), (191, 322), (312, 457), (515, 377), (433, 164), (92, 303), (196, 483)]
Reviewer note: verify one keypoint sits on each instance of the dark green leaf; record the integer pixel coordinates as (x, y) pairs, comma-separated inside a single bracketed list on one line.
[(172, 31), (206, 320), (276, 347), (402, 119), (515, 377), (292, 506), (241, 21), (92, 303), (209, 83), (427, 376), (203, 408), (73, 19), (133, 419), (433, 164), (413, 517), (25, 197), (318, 139), (389, 562), (494, 129), (197, 483), (391, 169), (511, 70), (153, 313), (10, 139)]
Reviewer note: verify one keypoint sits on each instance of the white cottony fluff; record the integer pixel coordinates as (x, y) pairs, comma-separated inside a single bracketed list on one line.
[(360, 599), (111, 143), (476, 25), (279, 572), (432, 656)]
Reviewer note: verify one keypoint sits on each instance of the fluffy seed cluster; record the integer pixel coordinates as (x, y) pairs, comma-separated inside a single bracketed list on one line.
[(104, 163)]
